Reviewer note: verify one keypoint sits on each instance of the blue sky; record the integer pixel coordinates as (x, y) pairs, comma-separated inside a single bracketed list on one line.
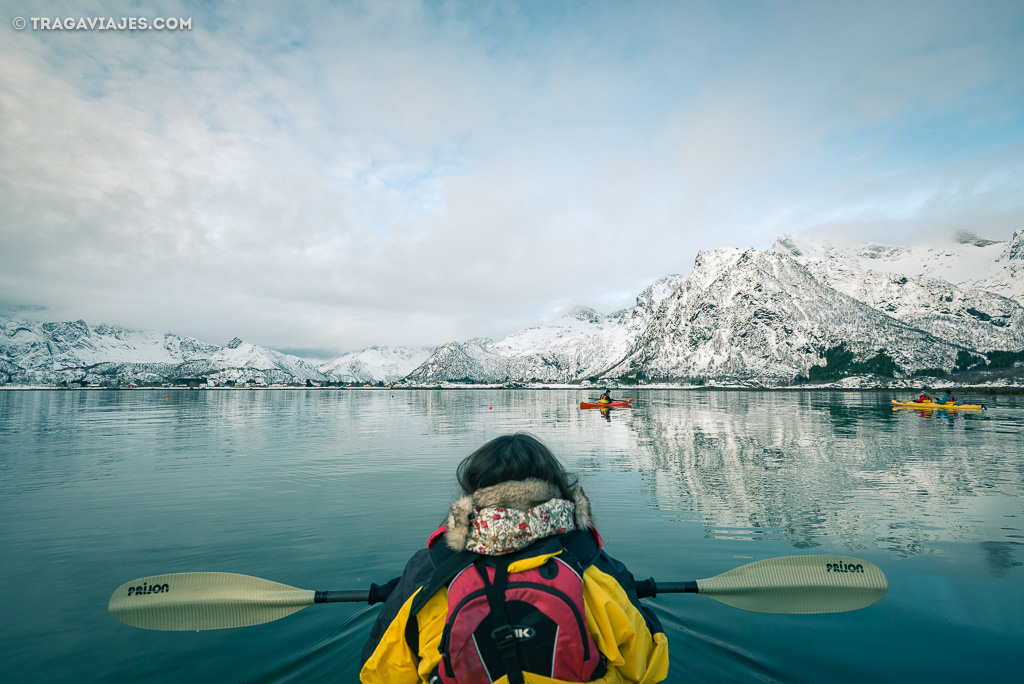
[(408, 173)]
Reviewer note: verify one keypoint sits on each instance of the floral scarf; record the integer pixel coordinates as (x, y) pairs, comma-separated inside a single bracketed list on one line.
[(498, 530)]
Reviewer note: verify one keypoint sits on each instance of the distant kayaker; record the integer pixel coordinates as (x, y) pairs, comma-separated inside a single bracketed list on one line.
[(606, 398), (947, 398), (923, 398), (525, 523)]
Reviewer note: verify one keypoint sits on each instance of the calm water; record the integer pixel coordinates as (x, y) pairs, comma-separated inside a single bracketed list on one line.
[(335, 489)]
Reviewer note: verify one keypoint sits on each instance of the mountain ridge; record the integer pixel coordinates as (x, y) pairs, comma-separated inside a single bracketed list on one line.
[(743, 315)]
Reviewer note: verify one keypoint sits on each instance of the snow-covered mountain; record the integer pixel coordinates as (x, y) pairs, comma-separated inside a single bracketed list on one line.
[(967, 261), (945, 310), (54, 352), (455, 361), (65, 351), (375, 364), (761, 315), (581, 344), (245, 361)]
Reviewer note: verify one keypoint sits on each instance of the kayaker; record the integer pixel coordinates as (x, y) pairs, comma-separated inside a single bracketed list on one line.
[(947, 398), (923, 398), (522, 522), (606, 398)]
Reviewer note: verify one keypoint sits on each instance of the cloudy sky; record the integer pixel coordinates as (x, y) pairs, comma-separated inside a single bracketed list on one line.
[(321, 179)]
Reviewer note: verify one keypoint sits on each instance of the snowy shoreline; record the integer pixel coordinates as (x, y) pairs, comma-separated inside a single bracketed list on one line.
[(1001, 387)]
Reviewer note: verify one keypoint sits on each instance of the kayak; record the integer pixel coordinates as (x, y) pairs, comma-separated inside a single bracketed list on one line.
[(933, 405), (617, 403)]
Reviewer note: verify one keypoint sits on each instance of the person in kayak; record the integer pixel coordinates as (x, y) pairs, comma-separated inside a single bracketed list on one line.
[(923, 398), (947, 398), (606, 398), (522, 522)]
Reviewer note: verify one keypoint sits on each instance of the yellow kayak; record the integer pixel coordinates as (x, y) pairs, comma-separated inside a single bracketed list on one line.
[(933, 405)]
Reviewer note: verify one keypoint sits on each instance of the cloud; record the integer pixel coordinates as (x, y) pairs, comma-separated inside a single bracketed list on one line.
[(402, 173)]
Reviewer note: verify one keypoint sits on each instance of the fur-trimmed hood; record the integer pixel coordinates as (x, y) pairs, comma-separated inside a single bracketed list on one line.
[(530, 499)]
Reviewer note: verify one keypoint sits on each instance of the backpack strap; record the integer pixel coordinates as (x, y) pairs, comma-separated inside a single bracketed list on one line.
[(503, 635), (452, 563), (447, 564)]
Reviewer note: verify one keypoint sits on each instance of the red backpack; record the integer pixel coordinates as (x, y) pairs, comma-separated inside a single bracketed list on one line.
[(530, 621)]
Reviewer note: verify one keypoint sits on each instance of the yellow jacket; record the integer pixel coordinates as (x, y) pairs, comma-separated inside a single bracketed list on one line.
[(404, 650)]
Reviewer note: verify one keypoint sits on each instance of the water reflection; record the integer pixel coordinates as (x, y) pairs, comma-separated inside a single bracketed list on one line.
[(806, 467), (1002, 557)]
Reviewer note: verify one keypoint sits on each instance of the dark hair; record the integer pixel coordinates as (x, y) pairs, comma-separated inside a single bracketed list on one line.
[(512, 457)]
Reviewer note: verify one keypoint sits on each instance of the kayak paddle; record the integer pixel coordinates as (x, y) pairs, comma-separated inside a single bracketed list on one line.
[(792, 584), (189, 601)]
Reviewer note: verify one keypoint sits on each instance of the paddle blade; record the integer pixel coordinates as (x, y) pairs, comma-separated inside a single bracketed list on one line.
[(204, 600), (799, 585)]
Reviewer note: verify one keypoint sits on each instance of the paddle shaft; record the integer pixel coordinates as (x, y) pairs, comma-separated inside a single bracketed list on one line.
[(648, 588), (343, 596), (377, 593)]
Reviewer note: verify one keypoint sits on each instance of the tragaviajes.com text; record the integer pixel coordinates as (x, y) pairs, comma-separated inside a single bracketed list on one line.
[(105, 24)]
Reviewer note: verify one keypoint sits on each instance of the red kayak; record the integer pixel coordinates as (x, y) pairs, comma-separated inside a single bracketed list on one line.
[(618, 403)]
